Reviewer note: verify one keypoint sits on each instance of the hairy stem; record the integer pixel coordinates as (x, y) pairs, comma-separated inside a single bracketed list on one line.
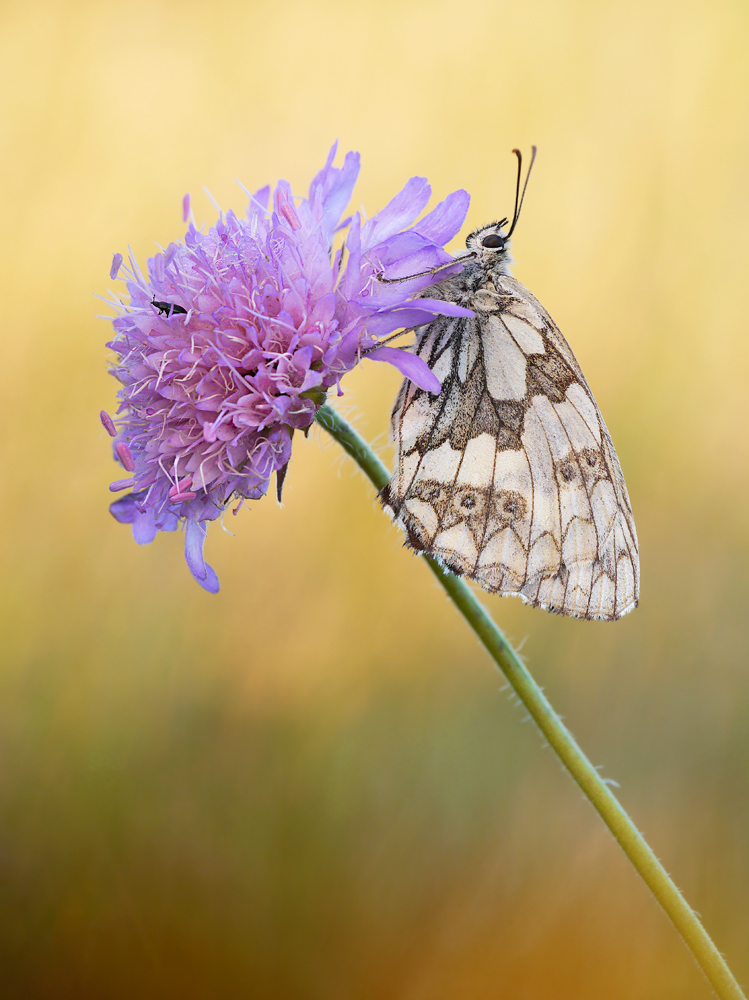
[(559, 738)]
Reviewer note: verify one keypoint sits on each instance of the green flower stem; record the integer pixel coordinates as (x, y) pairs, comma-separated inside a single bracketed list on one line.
[(560, 739)]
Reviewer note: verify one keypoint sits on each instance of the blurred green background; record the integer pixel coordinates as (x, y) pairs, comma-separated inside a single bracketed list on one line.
[(313, 785)]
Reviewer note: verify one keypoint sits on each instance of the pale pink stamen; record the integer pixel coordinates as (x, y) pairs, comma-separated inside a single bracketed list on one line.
[(180, 489), (108, 423), (121, 484), (125, 456), (289, 213)]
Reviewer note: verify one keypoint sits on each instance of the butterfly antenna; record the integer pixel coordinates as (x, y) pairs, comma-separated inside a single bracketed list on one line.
[(519, 197)]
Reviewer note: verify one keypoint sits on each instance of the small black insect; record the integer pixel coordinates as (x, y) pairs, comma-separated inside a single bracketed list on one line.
[(168, 308)]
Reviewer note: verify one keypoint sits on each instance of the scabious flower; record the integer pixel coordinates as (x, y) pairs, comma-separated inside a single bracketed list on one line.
[(232, 340)]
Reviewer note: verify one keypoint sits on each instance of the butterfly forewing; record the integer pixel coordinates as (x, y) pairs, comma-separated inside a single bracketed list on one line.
[(508, 476)]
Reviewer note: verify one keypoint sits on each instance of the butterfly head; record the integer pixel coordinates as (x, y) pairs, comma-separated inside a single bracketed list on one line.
[(490, 245)]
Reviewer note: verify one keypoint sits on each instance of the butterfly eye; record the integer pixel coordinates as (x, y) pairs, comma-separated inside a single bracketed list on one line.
[(493, 242)]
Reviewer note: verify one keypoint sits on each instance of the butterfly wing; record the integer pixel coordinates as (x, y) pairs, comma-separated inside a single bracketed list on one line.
[(509, 475)]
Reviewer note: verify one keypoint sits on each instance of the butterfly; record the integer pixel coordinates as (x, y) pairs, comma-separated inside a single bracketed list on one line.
[(508, 475)]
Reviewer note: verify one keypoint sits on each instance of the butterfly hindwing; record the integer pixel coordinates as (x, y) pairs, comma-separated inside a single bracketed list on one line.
[(508, 476)]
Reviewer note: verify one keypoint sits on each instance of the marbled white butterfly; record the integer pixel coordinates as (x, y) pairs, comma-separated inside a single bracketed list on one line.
[(508, 476)]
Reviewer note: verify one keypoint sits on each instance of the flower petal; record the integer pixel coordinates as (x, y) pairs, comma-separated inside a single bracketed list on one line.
[(444, 308), (443, 222), (407, 253), (398, 213), (383, 323), (410, 365), (194, 540), (124, 510), (340, 194), (144, 526)]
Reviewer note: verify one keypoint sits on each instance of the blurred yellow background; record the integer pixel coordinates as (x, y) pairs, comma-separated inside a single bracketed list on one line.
[(312, 785)]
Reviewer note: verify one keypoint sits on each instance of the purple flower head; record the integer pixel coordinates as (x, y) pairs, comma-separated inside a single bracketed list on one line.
[(231, 341)]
